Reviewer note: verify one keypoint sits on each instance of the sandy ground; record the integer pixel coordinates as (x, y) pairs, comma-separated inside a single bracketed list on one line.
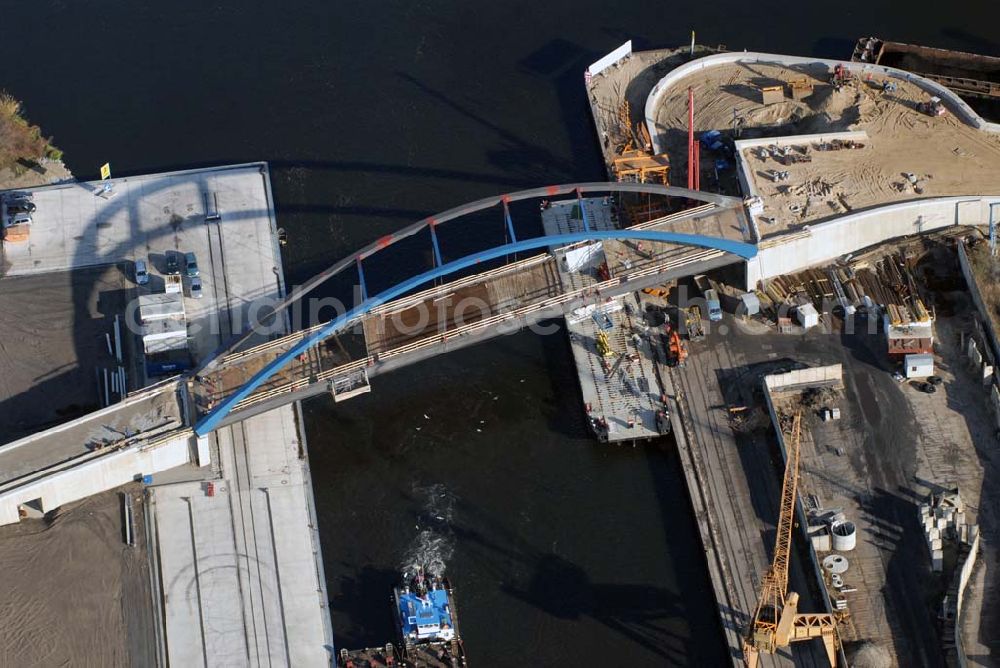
[(72, 593), (51, 337), (946, 156), (630, 80), (49, 171)]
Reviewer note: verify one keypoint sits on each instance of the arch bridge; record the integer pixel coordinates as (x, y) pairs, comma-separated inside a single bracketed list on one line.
[(593, 249)]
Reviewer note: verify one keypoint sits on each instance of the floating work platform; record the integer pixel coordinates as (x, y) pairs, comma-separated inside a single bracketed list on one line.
[(615, 358)]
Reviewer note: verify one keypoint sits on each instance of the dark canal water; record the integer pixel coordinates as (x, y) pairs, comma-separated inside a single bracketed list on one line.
[(373, 115)]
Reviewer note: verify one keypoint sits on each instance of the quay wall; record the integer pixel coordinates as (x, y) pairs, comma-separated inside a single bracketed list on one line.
[(977, 299), (963, 581), (816, 244), (956, 103)]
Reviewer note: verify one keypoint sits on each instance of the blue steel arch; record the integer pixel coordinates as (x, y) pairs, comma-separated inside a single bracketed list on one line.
[(211, 421), (469, 208)]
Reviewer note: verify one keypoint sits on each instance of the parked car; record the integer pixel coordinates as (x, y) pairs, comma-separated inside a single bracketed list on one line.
[(21, 206), (195, 289), (173, 265), (20, 218), (191, 264), (141, 272)]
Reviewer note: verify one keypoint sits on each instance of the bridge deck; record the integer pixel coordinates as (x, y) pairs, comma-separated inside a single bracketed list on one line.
[(442, 310), (470, 309), (119, 425)]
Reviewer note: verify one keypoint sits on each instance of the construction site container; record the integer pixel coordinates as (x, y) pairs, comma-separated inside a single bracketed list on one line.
[(161, 305), (919, 366), (204, 454), (807, 315), (712, 302), (750, 303)]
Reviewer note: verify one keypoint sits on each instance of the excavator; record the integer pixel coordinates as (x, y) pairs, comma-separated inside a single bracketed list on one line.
[(676, 352), (777, 623)]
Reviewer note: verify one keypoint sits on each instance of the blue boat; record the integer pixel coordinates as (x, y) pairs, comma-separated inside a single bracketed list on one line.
[(428, 622)]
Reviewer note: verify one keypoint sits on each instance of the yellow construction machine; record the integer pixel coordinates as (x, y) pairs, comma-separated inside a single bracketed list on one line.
[(777, 622), (603, 345)]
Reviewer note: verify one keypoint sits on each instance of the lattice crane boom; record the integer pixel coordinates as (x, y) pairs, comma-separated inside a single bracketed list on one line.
[(776, 622)]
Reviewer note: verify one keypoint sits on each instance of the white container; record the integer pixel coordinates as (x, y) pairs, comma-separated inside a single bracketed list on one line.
[(807, 316), (919, 366), (204, 454), (751, 304)]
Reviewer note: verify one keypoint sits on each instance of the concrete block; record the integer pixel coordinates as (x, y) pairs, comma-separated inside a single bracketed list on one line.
[(937, 561), (821, 542), (930, 526), (935, 545), (941, 523)]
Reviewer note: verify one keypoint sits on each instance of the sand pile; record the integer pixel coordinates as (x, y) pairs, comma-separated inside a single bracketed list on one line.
[(72, 593)]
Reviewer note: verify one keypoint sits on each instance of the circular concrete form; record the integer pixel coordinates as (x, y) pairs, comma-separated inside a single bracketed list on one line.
[(845, 536), (835, 564)]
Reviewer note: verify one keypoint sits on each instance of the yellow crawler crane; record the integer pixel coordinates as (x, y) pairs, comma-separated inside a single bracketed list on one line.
[(777, 623)]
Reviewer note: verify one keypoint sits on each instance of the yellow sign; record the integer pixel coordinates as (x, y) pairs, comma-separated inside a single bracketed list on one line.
[(106, 171)]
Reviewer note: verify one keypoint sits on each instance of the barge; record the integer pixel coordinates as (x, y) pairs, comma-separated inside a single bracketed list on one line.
[(965, 73), (427, 627), (427, 623)]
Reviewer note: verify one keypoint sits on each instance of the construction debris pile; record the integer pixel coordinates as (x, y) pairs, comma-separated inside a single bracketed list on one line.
[(885, 282)]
